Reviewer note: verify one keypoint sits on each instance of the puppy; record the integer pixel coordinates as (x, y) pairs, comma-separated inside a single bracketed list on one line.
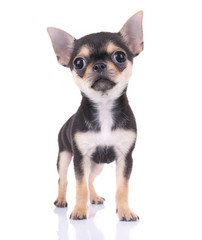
[(103, 129)]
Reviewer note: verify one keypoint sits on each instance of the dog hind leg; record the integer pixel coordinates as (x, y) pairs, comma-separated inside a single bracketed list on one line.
[(95, 171)]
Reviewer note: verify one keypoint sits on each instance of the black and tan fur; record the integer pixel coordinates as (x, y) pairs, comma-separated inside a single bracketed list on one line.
[(103, 129)]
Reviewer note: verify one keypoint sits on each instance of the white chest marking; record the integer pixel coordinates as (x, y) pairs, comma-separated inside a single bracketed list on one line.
[(120, 139)]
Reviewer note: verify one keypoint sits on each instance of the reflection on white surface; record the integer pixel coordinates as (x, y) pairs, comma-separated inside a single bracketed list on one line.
[(94, 227), (84, 229), (87, 229), (62, 223), (123, 230)]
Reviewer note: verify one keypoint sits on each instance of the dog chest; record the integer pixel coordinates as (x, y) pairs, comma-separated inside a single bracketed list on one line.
[(105, 143)]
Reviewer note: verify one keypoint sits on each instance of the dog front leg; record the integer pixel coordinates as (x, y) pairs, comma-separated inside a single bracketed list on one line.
[(64, 159), (81, 167), (123, 171)]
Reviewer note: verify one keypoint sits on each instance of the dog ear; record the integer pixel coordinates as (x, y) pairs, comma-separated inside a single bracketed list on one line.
[(133, 34), (63, 44)]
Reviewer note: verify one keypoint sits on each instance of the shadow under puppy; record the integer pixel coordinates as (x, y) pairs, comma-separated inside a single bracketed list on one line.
[(103, 129)]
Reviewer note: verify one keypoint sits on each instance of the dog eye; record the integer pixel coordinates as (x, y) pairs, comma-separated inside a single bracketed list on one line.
[(79, 63), (120, 56)]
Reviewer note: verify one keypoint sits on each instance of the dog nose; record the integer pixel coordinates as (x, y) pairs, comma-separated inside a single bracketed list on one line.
[(99, 67)]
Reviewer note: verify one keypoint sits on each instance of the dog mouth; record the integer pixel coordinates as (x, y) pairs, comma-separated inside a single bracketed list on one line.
[(103, 84)]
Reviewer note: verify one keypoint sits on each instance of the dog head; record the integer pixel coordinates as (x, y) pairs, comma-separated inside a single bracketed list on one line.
[(101, 63)]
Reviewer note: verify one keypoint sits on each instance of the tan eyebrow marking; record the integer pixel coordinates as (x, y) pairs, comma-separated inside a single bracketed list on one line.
[(84, 51), (111, 47)]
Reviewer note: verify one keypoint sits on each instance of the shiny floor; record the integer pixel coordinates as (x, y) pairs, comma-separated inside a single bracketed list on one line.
[(94, 227), (165, 213)]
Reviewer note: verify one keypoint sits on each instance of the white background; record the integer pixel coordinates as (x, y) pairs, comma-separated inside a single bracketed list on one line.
[(37, 96)]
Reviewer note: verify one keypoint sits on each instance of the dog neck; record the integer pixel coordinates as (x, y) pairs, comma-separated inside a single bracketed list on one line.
[(106, 115)]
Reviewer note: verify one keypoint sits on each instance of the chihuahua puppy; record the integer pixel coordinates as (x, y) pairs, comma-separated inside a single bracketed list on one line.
[(103, 129)]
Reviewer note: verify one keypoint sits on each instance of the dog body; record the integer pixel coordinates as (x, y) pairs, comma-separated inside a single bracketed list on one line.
[(104, 128)]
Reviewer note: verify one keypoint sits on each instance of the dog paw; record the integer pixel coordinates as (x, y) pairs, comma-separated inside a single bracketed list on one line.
[(61, 203), (97, 200), (125, 214), (79, 213)]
